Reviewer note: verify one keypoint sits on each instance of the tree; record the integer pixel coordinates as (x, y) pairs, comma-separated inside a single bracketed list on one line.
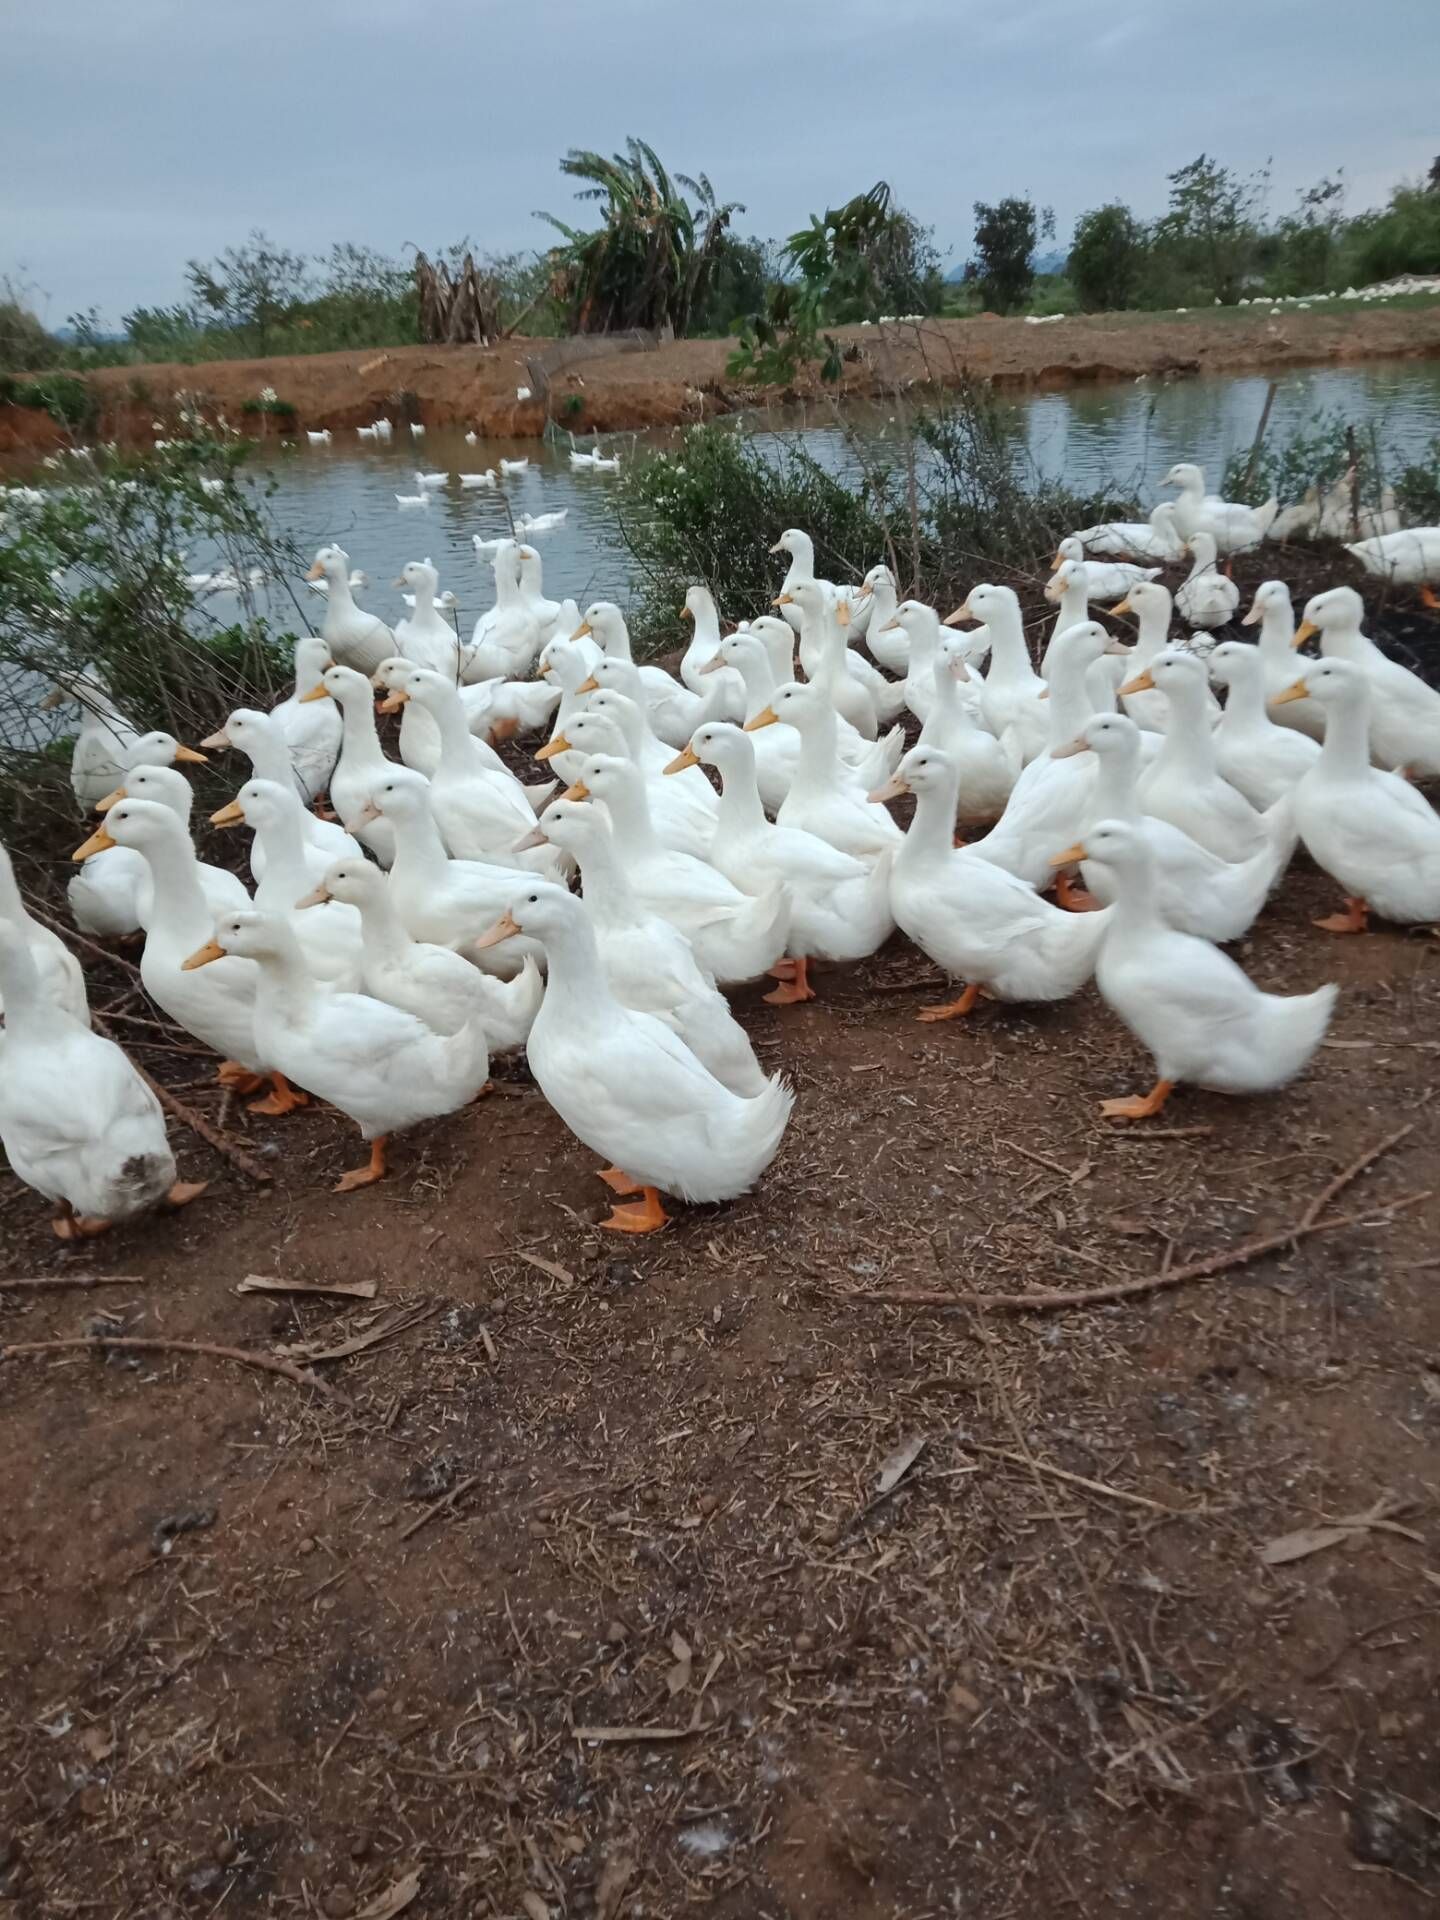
[(251, 289), (1106, 257), (1403, 238), (1309, 238), (650, 263), (1211, 226), (1005, 237)]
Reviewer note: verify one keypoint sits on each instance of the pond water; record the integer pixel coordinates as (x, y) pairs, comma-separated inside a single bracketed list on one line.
[(1128, 433)]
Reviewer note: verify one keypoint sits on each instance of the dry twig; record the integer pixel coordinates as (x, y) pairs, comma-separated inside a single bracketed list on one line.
[(266, 1362)]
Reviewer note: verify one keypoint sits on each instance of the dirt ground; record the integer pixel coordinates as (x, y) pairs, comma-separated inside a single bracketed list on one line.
[(702, 1573), (686, 381)]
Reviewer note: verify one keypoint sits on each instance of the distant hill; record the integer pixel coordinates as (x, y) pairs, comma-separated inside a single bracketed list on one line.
[(1051, 262)]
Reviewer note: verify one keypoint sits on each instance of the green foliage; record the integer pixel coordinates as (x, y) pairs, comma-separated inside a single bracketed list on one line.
[(1417, 489), (649, 264), (1107, 258), (859, 262), (739, 275), (1405, 238), (25, 345), (1211, 228), (95, 578), (1307, 242), (1005, 237), (252, 289), (1318, 454), (269, 402), (67, 399)]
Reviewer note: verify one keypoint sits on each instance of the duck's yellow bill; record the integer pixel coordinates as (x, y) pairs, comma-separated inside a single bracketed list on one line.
[(767, 717), (1071, 856), (1297, 692), (1305, 631), (202, 956), (191, 757), (99, 842), (111, 800), (230, 815), (686, 758), (503, 929), (1142, 683), (579, 791)]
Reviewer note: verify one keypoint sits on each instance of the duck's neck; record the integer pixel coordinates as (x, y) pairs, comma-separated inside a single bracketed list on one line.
[(359, 742), (285, 988), (1345, 641), (819, 748), (340, 596), (1245, 704), (1069, 703), (1154, 632), (932, 831), (12, 906), (924, 647), (1009, 656), (382, 931), (1113, 795), (456, 739), (706, 637), (741, 812), (1074, 607), (759, 683), (30, 1014), (307, 672), (1188, 747), (607, 892), (577, 994), (1277, 639), (180, 903), (946, 708), (615, 643), (802, 562), (1136, 909), (1345, 750), (630, 813), (270, 760), (286, 878), (884, 601), (420, 854)]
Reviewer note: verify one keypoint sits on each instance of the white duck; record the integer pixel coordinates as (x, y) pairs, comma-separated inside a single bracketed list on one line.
[(448, 902), (330, 940), (426, 638), (859, 690), (671, 705), (1273, 613), (262, 740), (219, 1010), (1182, 784), (361, 761), (683, 818), (1202, 1019), (799, 549), (1197, 891), (170, 789), (922, 626), (1158, 538), (1205, 598), (506, 636), (99, 756), (1050, 794), (1263, 760), (879, 597), (311, 732), (823, 797), (735, 937), (1152, 605), (434, 983), (628, 1088), (546, 614), (1409, 558), (419, 735), (1235, 528), (57, 970), (1104, 579), (839, 906), (647, 961), (1012, 694), (723, 691), (355, 638), (988, 767), (479, 807), (110, 894), (382, 1068), (1368, 829), (77, 1122), (1404, 712), (978, 922)]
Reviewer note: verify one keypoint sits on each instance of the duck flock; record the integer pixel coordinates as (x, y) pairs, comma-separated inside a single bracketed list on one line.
[(416, 909)]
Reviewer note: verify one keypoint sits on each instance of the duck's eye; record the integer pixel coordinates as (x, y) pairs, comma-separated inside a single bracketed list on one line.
[(533, 901)]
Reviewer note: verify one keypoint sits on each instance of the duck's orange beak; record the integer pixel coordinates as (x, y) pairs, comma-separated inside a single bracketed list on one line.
[(1305, 631), (191, 757), (1142, 683), (228, 816), (1297, 692), (202, 956), (99, 842), (1071, 856), (687, 758), (503, 929), (767, 717), (579, 791)]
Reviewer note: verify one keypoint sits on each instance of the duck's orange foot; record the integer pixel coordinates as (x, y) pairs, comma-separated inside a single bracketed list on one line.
[(238, 1079), (794, 978), (647, 1216), (69, 1225), (1138, 1106), (1429, 598), (366, 1176), (184, 1191), (489, 1087), (282, 1099), (1355, 918), (952, 1009), (503, 730), (619, 1182)]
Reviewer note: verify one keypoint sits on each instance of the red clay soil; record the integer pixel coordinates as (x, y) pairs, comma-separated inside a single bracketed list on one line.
[(708, 1573), (686, 381)]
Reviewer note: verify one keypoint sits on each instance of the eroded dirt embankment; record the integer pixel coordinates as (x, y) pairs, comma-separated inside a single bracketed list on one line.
[(687, 380)]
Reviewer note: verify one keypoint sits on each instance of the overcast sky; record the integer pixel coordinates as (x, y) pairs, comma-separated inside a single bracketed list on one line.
[(137, 133)]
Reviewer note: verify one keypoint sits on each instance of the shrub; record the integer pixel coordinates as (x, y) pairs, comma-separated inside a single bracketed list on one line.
[(1005, 237), (25, 344), (1106, 257)]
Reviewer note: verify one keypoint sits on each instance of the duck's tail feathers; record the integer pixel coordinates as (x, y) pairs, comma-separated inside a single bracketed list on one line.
[(1297, 1026), (766, 1118), (1265, 516)]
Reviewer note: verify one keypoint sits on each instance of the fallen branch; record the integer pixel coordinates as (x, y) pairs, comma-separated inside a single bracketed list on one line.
[(265, 1362), (1072, 1479), (59, 928), (197, 1122), (42, 1282), (1203, 1269), (448, 1500)]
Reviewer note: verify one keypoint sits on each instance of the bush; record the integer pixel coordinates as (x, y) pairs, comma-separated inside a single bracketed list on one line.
[(93, 578), (1005, 237), (1405, 238), (1106, 258), (67, 400), (25, 345)]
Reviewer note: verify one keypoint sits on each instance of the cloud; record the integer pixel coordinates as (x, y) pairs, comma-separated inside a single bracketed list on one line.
[(153, 131)]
